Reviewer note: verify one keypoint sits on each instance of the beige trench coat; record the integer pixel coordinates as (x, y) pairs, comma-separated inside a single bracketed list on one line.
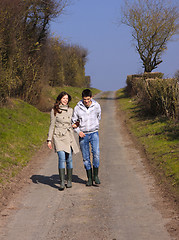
[(61, 131)]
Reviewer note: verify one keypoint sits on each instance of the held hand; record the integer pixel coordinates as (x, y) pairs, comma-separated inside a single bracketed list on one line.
[(81, 134), (75, 125), (49, 144)]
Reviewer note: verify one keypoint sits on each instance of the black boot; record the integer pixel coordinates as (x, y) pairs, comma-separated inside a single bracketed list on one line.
[(69, 177), (89, 175), (96, 178), (62, 178)]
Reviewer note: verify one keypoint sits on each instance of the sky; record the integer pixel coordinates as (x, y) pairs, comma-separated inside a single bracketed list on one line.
[(93, 25)]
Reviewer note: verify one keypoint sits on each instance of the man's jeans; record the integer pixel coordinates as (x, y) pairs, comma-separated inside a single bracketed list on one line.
[(93, 139), (65, 157)]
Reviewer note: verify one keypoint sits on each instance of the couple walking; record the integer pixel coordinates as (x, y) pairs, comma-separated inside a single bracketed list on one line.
[(85, 121)]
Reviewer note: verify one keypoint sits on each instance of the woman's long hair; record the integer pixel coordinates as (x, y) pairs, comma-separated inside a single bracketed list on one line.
[(57, 103)]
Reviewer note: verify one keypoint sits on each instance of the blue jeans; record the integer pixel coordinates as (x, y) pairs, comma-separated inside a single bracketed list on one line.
[(65, 157), (93, 139)]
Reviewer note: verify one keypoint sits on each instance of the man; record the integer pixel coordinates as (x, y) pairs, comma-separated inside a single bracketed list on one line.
[(86, 117)]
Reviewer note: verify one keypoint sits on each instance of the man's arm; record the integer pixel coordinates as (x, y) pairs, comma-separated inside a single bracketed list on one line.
[(75, 120), (99, 112)]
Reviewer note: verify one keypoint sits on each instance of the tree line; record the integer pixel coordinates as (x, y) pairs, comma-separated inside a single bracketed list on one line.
[(30, 58)]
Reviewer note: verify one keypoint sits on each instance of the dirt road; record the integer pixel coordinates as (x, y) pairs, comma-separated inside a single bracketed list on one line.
[(123, 207)]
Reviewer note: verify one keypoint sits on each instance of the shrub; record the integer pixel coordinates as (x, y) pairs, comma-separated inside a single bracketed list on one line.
[(160, 97), (156, 95), (134, 81)]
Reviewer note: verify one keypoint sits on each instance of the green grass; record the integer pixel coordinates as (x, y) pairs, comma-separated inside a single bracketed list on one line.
[(23, 130), (158, 135)]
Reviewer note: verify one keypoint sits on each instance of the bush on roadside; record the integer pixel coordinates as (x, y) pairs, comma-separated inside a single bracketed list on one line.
[(160, 97), (134, 81), (157, 96), (159, 138)]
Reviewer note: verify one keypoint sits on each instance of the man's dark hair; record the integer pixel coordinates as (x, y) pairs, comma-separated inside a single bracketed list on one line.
[(86, 93)]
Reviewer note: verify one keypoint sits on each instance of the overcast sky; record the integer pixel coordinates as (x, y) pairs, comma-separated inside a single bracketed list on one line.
[(92, 24)]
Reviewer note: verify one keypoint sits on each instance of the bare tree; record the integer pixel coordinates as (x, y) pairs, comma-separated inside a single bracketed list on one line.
[(37, 16), (153, 23)]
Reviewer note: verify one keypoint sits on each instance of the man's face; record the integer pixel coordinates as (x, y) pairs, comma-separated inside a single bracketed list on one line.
[(87, 101)]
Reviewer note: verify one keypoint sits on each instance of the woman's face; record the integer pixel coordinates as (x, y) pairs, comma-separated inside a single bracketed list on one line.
[(64, 100)]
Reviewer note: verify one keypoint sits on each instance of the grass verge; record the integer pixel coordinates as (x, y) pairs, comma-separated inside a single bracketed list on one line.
[(23, 128), (159, 137)]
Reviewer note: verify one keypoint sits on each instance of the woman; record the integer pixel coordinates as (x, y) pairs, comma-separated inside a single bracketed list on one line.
[(61, 132)]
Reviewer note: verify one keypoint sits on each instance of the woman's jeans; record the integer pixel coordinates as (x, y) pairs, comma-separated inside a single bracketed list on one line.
[(93, 139), (65, 157)]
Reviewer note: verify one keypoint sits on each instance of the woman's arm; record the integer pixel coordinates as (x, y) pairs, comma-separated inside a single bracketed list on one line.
[(51, 129)]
